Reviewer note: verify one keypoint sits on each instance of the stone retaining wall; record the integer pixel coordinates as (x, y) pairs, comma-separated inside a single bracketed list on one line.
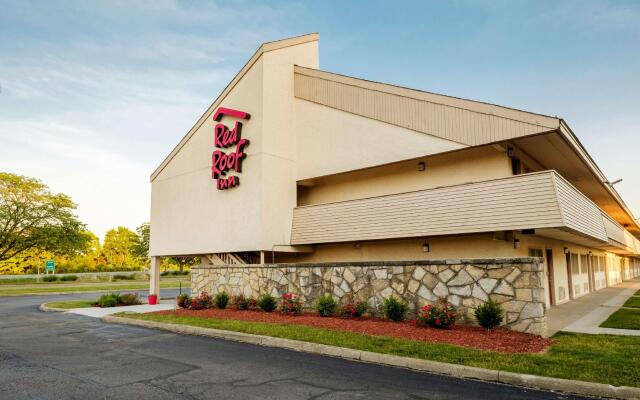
[(515, 283)]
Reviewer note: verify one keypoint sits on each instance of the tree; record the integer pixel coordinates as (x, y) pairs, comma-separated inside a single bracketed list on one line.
[(117, 246), (32, 217), (185, 261), (140, 247)]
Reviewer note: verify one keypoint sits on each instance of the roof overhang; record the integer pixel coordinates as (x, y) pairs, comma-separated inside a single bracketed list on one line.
[(561, 150)]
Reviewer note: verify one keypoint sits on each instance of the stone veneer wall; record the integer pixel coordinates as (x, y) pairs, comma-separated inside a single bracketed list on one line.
[(515, 283)]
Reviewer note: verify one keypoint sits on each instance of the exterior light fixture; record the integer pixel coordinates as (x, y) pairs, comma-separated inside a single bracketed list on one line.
[(421, 166), (566, 250), (510, 151), (613, 183), (516, 243), (425, 247)]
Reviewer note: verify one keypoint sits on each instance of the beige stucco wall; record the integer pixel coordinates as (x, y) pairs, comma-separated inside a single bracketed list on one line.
[(464, 166), (331, 141), (190, 216), (471, 246)]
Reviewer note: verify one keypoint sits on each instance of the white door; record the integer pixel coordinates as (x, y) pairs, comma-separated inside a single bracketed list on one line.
[(579, 274)]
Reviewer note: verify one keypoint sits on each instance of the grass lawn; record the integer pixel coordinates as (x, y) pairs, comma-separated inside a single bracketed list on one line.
[(624, 318), (596, 358), (637, 293), (633, 301), (107, 286), (71, 304)]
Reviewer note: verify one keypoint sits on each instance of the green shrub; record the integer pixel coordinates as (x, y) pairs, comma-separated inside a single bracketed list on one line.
[(243, 303), (50, 278), (129, 299), (489, 315), (326, 306), (174, 273), (123, 277), (108, 300), (354, 310), (221, 300), (183, 301), (441, 315), (267, 303), (395, 309), (69, 278)]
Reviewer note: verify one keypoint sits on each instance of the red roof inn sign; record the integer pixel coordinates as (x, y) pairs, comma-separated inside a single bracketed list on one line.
[(224, 138)]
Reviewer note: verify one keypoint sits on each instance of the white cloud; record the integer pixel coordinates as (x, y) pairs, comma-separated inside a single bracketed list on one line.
[(94, 107)]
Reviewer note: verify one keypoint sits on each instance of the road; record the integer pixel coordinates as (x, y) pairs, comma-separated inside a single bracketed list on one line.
[(61, 356)]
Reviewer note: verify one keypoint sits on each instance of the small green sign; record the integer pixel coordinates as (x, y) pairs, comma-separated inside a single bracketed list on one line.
[(49, 265)]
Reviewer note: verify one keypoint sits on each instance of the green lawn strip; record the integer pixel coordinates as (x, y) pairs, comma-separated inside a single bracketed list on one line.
[(633, 302), (595, 358), (80, 288), (71, 304), (624, 318)]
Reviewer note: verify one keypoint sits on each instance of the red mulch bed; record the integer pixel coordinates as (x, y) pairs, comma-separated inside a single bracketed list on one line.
[(502, 340)]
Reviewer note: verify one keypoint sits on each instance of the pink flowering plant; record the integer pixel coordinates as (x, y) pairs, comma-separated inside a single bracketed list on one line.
[(441, 315), (202, 301), (244, 303), (290, 304), (354, 310)]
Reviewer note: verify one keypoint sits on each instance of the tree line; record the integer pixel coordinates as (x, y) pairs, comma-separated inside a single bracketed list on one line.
[(37, 225)]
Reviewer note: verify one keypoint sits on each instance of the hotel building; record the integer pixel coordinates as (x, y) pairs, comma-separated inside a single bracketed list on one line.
[(299, 179)]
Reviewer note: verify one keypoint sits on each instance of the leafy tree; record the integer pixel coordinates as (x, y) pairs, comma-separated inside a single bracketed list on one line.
[(117, 247), (140, 247), (31, 217), (185, 261)]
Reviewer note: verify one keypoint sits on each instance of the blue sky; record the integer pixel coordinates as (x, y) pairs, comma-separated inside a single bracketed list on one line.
[(94, 94)]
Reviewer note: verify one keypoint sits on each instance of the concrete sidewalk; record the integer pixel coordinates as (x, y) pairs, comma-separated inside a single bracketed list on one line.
[(97, 312), (585, 314)]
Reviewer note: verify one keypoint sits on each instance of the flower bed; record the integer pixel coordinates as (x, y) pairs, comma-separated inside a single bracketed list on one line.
[(502, 340)]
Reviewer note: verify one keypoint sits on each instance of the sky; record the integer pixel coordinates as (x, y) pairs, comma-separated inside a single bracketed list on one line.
[(95, 94)]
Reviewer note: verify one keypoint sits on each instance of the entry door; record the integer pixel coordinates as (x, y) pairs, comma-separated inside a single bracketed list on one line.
[(584, 273), (552, 287), (599, 273), (579, 274)]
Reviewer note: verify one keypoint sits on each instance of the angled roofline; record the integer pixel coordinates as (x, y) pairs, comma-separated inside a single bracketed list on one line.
[(264, 48), (431, 97)]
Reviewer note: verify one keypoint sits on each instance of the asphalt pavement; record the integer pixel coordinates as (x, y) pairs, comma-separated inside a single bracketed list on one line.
[(63, 356)]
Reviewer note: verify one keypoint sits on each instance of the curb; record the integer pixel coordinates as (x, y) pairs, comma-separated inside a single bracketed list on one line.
[(454, 370), (44, 307)]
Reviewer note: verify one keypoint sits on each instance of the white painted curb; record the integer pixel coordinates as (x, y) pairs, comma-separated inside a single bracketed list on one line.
[(458, 371), (45, 308)]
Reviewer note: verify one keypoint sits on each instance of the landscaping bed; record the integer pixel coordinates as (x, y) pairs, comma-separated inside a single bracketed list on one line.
[(104, 301), (502, 340)]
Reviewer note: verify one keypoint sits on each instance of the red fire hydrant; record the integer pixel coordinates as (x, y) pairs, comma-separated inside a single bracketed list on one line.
[(153, 299)]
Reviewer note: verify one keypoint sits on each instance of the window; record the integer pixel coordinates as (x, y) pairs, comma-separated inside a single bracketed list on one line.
[(535, 253)]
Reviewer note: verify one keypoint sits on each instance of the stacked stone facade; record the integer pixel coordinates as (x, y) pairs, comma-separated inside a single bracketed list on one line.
[(515, 283)]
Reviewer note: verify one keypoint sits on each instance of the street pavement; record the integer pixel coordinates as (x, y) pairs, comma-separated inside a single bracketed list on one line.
[(64, 356)]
